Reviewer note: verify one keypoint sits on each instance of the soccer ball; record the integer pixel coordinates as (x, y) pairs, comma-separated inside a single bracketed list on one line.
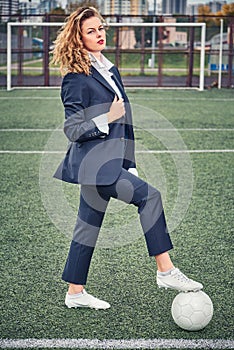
[(192, 311)]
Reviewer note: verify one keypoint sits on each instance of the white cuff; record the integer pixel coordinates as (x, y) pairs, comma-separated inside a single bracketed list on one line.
[(101, 122), (133, 171)]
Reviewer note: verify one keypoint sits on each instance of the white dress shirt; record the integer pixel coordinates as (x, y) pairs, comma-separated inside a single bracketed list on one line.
[(103, 66)]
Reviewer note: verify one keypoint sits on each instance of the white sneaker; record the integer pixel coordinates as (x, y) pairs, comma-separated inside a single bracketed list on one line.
[(177, 280), (85, 300)]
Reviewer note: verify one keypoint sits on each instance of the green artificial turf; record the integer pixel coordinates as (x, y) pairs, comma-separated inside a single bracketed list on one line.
[(34, 248)]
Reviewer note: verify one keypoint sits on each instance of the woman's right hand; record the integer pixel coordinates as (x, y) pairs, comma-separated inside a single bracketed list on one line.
[(117, 110)]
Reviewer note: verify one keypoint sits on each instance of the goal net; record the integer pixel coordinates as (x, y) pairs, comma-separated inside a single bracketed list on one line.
[(161, 54)]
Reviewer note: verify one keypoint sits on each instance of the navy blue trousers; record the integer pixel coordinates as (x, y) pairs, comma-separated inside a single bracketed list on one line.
[(93, 203)]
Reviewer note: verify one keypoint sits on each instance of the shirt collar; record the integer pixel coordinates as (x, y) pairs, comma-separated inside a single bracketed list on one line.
[(100, 64)]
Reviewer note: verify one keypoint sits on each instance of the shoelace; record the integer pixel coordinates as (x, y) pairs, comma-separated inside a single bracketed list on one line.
[(180, 276)]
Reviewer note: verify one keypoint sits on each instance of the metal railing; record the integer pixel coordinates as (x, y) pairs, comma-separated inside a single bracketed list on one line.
[(140, 53)]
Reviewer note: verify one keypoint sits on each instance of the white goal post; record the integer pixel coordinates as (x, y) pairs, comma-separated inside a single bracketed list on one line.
[(122, 24)]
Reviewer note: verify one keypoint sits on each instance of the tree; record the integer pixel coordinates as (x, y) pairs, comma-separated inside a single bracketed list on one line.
[(57, 11), (205, 15), (56, 15), (204, 10), (228, 9), (83, 3), (227, 12)]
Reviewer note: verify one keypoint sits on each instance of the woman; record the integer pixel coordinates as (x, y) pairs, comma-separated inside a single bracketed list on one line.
[(100, 157)]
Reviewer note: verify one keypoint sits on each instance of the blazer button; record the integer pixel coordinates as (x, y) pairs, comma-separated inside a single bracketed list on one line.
[(122, 138)]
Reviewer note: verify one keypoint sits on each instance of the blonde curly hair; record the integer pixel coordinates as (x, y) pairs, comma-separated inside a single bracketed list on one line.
[(69, 51)]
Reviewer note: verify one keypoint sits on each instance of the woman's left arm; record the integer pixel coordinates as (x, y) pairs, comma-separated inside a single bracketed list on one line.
[(75, 98)]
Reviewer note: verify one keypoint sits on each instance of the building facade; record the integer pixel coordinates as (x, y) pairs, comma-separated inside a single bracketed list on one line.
[(214, 6), (170, 7), (28, 8), (45, 6), (9, 7), (124, 7), (172, 35)]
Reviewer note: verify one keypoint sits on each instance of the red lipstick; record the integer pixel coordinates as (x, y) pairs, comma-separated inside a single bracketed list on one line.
[(101, 42)]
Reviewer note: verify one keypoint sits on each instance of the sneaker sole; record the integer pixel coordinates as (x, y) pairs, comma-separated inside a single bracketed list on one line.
[(179, 290), (86, 306)]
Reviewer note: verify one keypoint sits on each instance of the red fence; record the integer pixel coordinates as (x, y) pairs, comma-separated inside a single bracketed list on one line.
[(176, 63)]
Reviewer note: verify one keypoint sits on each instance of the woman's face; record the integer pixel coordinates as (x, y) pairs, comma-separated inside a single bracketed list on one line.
[(93, 35)]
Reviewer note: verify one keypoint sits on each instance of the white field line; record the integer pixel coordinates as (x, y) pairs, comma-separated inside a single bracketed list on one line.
[(135, 98), (139, 152), (183, 99), (186, 151), (147, 129), (189, 129), (118, 344), (30, 130), (29, 98)]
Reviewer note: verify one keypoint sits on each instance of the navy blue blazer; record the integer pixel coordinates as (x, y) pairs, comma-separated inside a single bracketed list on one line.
[(93, 157)]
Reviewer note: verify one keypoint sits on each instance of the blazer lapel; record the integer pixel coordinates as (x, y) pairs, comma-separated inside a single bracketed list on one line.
[(116, 80), (103, 81), (100, 78)]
